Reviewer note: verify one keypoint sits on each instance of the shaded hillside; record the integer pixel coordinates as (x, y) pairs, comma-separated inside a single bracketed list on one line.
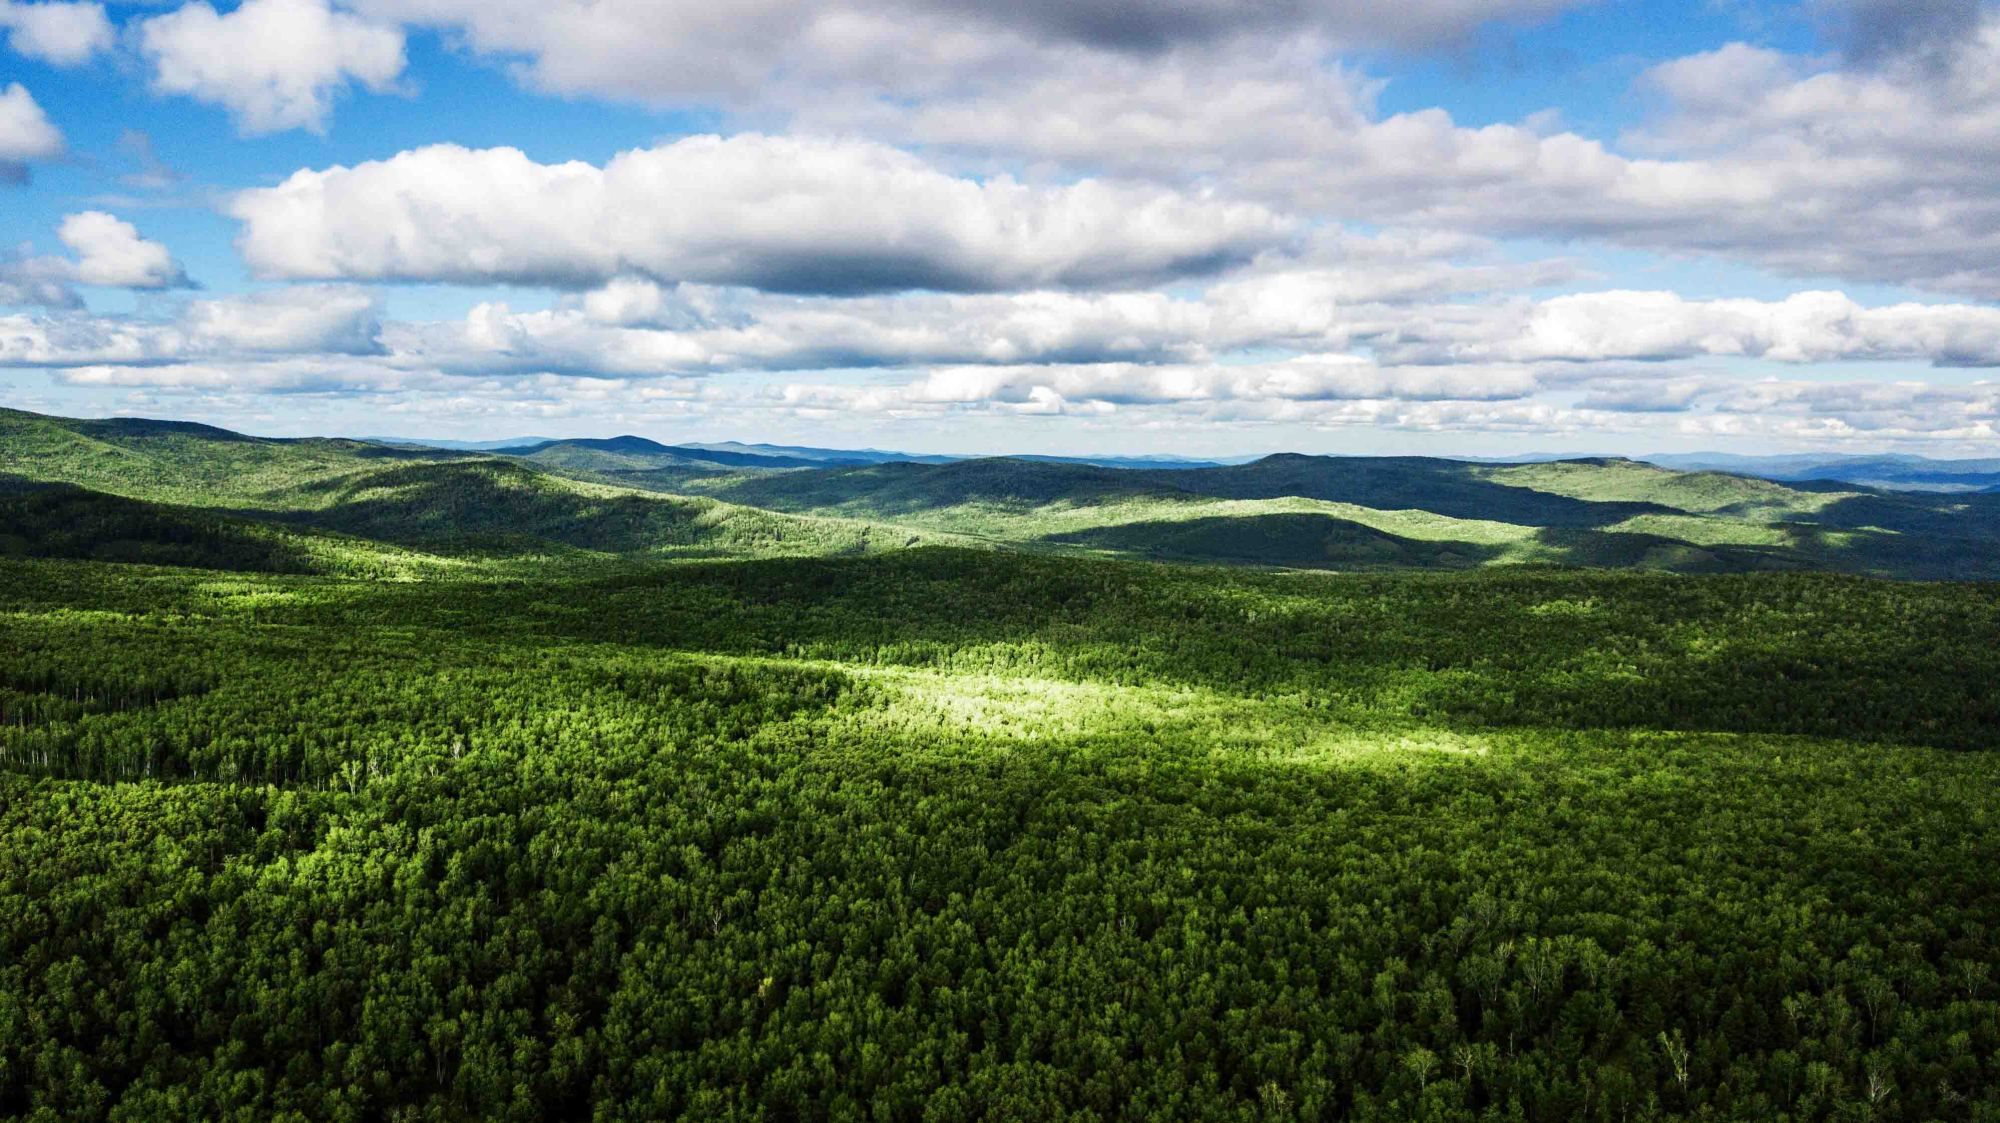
[(1611, 480), (1303, 511), (505, 507), (465, 503), (64, 521), (1445, 487), (900, 489), (42, 520), (1297, 540), (179, 461)]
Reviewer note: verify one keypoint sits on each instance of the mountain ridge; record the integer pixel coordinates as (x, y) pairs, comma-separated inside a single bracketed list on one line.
[(632, 497)]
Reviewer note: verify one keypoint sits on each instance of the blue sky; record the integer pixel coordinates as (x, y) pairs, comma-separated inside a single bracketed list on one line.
[(1094, 226)]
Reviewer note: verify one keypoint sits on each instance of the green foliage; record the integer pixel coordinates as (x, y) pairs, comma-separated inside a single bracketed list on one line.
[(1307, 541), (60, 521), (1303, 511), (630, 496), (178, 462), (439, 786), (500, 507), (958, 834), (1628, 481)]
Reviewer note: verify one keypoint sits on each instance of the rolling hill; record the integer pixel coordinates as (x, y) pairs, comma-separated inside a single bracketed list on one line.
[(629, 497), (1893, 472), (180, 462), (628, 453), (393, 785), (507, 508), (1303, 511), (44, 520), (442, 502)]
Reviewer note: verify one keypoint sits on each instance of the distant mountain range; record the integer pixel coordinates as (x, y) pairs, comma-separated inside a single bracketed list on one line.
[(460, 446), (177, 493), (1893, 471), (770, 455)]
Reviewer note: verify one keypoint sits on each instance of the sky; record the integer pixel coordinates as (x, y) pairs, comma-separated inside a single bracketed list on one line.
[(1203, 227)]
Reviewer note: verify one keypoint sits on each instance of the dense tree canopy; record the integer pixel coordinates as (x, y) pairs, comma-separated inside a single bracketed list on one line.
[(341, 781), (962, 835)]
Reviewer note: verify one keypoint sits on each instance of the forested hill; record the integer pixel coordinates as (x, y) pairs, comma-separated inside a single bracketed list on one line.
[(629, 495), (1388, 512), (200, 494), (347, 782)]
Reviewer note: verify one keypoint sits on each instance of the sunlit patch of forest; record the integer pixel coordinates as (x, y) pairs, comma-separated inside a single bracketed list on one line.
[(407, 787)]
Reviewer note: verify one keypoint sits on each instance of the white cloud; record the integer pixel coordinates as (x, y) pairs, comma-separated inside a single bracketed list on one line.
[(306, 321), (57, 33), (1788, 162), (276, 376), (781, 214), (716, 332), (780, 53), (1800, 412), (72, 340), (110, 252), (26, 136), (302, 319), (273, 64), (636, 302), (640, 328), (1317, 378), (1807, 327), (30, 281), (1646, 395)]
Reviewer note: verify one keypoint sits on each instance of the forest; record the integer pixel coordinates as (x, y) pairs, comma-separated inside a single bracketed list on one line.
[(342, 781)]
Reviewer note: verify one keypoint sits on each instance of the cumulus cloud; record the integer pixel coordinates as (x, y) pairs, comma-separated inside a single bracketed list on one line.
[(1314, 378), (318, 319), (1883, 31), (635, 328), (304, 321), (60, 34), (634, 302), (75, 340), (1788, 162), (1807, 327), (1808, 165), (799, 334), (1643, 395), (273, 64), (312, 375), (1502, 400), (36, 281), (1876, 412), (782, 214), (1352, 288), (110, 252), (761, 51), (26, 136)]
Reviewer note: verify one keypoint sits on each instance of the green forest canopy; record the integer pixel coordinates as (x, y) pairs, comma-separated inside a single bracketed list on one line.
[(343, 786)]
